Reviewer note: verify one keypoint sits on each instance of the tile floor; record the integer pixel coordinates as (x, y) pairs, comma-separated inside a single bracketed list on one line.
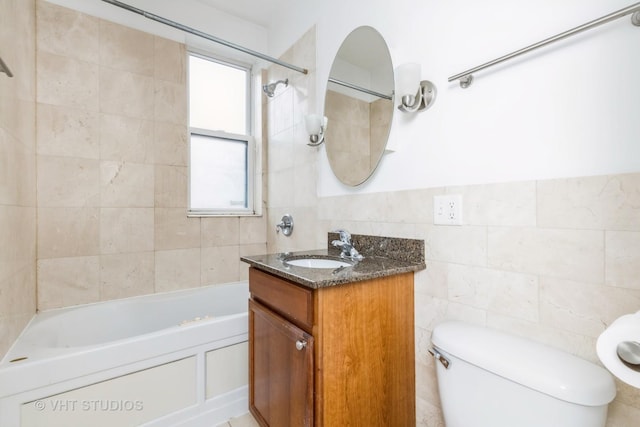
[(245, 420)]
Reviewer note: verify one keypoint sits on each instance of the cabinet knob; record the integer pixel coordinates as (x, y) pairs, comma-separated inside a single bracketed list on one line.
[(300, 344)]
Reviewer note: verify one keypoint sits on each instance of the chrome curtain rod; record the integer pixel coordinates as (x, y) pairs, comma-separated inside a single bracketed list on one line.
[(205, 35), (359, 89), (5, 69), (466, 77)]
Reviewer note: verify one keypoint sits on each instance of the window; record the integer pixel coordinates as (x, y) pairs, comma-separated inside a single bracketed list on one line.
[(221, 149)]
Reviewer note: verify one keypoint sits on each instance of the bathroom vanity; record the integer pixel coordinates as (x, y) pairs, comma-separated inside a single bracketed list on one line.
[(333, 346)]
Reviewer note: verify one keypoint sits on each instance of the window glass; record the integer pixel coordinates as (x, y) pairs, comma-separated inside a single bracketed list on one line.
[(221, 149), (218, 173), (217, 96)]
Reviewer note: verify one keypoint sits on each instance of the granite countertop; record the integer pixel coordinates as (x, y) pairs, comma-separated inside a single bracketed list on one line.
[(382, 257)]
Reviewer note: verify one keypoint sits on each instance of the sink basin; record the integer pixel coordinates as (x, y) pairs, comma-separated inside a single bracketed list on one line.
[(318, 262)]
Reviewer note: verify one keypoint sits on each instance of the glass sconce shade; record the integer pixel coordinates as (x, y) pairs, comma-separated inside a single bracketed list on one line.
[(408, 79), (315, 125)]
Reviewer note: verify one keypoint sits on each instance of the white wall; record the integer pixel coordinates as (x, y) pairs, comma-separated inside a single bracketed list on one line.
[(567, 110)]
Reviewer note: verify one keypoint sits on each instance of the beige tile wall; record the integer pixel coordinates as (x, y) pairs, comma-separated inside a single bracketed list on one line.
[(17, 169), (348, 138), (381, 114), (556, 261), (291, 163), (356, 135), (112, 169)]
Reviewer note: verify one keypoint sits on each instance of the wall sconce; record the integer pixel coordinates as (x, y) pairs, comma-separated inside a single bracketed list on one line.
[(316, 126), (415, 95)]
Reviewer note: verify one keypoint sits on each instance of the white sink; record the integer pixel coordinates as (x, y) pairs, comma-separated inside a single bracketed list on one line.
[(317, 263)]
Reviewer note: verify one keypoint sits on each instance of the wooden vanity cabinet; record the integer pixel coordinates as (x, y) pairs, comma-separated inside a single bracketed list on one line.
[(281, 376), (334, 356)]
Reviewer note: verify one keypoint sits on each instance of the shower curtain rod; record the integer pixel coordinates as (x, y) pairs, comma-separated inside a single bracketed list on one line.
[(205, 35), (466, 77), (360, 89)]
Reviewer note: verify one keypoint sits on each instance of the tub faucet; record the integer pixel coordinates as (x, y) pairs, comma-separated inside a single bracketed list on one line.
[(348, 251)]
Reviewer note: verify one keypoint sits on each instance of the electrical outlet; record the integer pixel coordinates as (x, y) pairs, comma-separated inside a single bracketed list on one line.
[(447, 210)]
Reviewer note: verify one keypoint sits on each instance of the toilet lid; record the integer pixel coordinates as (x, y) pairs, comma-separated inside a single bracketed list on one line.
[(531, 364)]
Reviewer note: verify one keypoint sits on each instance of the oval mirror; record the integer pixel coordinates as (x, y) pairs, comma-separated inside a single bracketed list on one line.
[(359, 105)]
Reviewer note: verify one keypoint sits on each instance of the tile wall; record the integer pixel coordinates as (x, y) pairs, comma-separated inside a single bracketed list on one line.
[(112, 169), (556, 261), (17, 169), (348, 135), (356, 134), (291, 163)]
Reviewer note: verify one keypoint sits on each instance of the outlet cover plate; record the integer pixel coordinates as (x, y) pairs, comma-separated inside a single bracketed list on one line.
[(447, 209)]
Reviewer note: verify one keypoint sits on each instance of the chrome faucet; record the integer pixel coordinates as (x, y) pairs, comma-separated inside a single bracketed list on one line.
[(348, 251)]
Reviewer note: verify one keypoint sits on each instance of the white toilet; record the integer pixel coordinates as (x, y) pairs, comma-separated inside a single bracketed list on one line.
[(487, 378)]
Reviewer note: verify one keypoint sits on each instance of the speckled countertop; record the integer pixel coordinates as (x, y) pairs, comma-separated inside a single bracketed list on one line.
[(383, 256)]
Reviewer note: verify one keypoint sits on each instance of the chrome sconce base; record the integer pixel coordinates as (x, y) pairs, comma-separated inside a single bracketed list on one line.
[(315, 140), (421, 101)]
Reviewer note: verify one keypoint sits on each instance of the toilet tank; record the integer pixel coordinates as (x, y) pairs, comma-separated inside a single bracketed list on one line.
[(500, 380)]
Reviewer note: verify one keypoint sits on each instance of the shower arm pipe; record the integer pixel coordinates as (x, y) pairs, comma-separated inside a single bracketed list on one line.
[(206, 36), (466, 77), (5, 69), (360, 89)]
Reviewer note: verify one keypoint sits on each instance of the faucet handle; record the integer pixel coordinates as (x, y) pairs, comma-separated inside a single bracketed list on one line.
[(286, 225), (345, 236)]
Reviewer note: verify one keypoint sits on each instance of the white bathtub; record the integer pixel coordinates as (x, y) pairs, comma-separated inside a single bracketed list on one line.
[(173, 359)]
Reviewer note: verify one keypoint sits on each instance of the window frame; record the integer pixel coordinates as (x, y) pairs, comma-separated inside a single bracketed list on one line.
[(250, 184), (254, 172)]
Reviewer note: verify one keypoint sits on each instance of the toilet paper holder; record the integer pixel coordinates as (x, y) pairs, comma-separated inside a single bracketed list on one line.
[(629, 353), (617, 345)]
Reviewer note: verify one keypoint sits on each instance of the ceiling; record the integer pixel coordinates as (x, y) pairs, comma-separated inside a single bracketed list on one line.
[(259, 12)]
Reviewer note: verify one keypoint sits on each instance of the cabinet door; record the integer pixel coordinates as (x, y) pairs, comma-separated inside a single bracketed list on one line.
[(280, 370)]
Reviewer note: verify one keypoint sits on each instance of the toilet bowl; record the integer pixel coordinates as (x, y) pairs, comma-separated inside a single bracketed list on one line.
[(488, 378)]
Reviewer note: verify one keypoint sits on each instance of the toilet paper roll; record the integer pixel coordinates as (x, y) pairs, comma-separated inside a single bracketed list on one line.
[(625, 328)]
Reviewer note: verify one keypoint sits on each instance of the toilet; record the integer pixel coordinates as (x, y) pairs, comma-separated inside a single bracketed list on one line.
[(488, 378)]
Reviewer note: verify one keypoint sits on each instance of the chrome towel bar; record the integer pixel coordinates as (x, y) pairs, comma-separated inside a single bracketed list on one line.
[(466, 77)]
